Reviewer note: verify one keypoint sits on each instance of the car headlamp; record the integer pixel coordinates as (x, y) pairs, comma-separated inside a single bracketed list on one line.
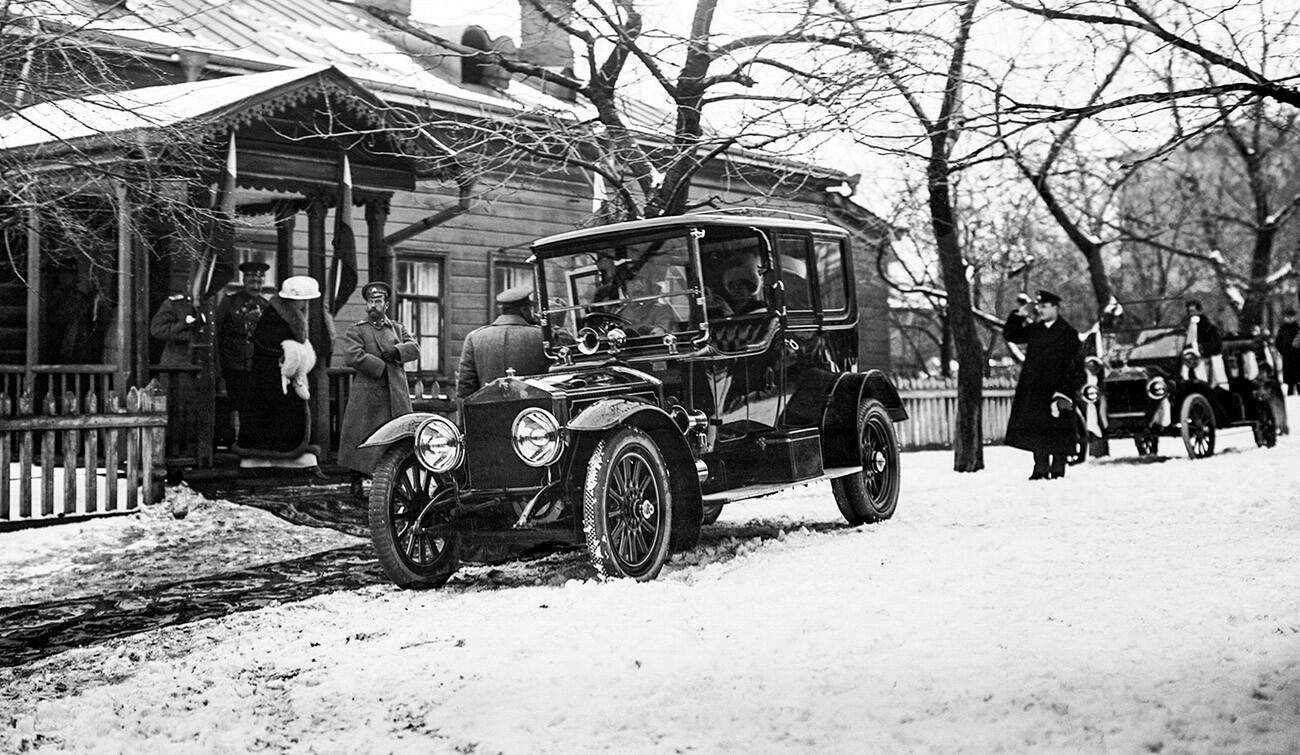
[(535, 435), (1090, 394), (1157, 388), (439, 445)]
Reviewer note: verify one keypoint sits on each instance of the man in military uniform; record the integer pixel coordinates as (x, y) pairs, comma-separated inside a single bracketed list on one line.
[(174, 324), (512, 341), (236, 319), (376, 348), (1041, 418)]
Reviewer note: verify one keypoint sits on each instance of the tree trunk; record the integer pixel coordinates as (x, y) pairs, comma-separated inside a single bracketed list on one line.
[(968, 432)]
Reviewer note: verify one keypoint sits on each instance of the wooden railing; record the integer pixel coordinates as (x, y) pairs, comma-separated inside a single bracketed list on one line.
[(77, 456), (931, 405)]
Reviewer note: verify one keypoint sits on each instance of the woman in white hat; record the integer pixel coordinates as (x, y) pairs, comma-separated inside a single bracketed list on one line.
[(277, 430)]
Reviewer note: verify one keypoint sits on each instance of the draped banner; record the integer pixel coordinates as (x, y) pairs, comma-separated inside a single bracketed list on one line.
[(218, 263), (344, 273)]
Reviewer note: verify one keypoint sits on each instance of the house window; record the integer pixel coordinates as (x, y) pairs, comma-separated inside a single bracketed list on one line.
[(419, 307), (507, 275)]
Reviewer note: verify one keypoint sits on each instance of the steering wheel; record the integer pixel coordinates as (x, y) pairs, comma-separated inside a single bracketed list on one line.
[(603, 321)]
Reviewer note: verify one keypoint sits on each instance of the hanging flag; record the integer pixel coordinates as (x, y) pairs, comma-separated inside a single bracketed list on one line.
[(345, 243), (218, 262)]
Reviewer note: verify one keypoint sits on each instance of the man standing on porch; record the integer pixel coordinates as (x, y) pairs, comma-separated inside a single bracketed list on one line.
[(236, 319), (376, 348)]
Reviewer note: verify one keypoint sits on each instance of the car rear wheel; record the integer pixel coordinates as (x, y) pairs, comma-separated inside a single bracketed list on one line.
[(1147, 445), (627, 507), (872, 494), (1197, 419), (1266, 427), (408, 507)]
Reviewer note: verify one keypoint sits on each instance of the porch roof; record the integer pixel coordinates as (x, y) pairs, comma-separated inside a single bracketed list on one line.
[(202, 109)]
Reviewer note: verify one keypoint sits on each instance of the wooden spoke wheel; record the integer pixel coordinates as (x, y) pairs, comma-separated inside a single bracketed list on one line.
[(627, 507), (1197, 419), (872, 494), (409, 510)]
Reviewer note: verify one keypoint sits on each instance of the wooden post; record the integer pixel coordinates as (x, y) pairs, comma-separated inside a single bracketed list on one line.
[(126, 310), (285, 219), (377, 260), (33, 296), (320, 340)]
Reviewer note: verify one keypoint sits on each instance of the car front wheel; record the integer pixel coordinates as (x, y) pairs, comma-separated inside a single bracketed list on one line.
[(1147, 445), (627, 507), (872, 494), (1266, 427), (409, 508), (1197, 419)]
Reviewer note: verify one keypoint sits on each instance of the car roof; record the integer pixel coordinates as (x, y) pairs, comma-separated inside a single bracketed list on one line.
[(735, 219)]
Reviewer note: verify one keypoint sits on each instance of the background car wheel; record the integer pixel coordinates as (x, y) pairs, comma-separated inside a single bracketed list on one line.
[(408, 503), (872, 494), (1079, 452), (627, 507), (1266, 427), (1147, 445), (711, 513), (1197, 419)]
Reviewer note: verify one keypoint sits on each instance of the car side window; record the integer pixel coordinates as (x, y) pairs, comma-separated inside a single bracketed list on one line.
[(792, 259), (831, 280)]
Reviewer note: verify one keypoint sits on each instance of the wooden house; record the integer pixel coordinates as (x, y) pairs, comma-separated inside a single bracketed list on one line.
[(299, 84)]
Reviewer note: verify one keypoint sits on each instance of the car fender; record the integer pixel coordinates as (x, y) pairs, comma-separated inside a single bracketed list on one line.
[(840, 419), (609, 413), (396, 429)]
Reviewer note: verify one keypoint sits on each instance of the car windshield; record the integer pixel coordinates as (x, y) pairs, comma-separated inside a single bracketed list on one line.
[(643, 286), (1146, 343)]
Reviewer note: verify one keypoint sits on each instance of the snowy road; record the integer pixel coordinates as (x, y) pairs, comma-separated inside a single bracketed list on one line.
[(1132, 607)]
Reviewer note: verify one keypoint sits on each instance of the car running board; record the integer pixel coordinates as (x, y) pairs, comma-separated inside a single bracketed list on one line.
[(758, 491)]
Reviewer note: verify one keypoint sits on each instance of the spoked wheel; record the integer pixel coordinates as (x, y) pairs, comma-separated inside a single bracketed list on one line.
[(1266, 427), (872, 494), (1079, 451), (409, 508), (711, 513), (627, 507), (1147, 445), (1197, 419)]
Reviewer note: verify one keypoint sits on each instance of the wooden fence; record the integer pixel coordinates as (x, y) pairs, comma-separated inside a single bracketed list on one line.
[(76, 456), (931, 405)]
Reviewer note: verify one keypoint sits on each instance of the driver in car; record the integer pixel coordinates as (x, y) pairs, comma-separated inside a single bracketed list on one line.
[(648, 316)]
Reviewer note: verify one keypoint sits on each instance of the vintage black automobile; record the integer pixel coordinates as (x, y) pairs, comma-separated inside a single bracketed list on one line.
[(696, 361), (1155, 382)]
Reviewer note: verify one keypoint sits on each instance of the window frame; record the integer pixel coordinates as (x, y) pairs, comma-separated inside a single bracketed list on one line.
[(399, 297)]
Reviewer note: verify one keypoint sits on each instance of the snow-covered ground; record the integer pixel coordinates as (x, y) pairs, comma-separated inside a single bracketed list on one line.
[(1131, 607)]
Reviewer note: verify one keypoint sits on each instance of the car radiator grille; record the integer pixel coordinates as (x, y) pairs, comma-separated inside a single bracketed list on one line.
[(489, 457)]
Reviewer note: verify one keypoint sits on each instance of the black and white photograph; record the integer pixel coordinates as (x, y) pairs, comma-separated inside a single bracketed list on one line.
[(528, 377)]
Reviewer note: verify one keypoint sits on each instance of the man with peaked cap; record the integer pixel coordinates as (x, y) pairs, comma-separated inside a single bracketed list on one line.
[(236, 319), (377, 348), (512, 341), (1041, 418)]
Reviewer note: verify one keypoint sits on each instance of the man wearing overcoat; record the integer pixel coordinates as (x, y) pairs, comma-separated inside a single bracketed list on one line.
[(1041, 412), (376, 348), (512, 341), (236, 318)]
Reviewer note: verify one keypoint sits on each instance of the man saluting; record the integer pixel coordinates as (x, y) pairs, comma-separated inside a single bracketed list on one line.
[(1052, 373)]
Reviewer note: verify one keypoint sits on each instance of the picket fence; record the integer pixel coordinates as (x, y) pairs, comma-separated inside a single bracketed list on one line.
[(931, 405), (72, 455)]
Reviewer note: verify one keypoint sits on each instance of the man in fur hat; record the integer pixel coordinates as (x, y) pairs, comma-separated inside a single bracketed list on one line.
[(376, 348), (1041, 412)]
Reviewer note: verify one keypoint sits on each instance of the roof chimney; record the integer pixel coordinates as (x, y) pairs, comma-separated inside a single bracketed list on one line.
[(545, 44)]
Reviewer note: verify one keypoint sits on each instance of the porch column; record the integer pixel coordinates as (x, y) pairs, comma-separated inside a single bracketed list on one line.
[(34, 252), (381, 268), (286, 216), (317, 329), (126, 306)]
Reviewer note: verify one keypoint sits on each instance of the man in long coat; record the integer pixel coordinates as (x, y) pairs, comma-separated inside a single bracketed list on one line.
[(511, 341), (174, 324), (1041, 413), (376, 348), (236, 319), (1288, 345)]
